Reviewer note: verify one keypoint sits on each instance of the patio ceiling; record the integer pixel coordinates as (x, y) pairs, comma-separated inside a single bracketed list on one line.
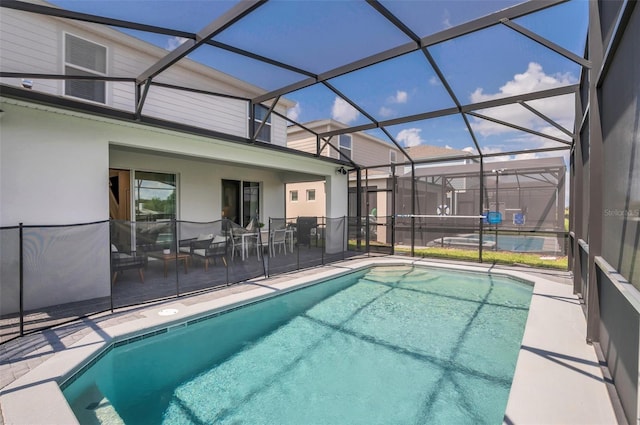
[(484, 78)]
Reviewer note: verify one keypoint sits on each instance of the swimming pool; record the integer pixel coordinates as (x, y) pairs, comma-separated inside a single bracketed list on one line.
[(384, 345), (516, 243), (511, 243)]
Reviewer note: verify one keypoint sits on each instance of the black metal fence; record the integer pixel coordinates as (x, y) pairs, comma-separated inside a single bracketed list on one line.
[(54, 274)]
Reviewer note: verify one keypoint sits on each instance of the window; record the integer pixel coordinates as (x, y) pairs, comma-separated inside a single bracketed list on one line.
[(311, 194), (155, 196), (345, 145), (294, 195), (240, 201), (392, 156), (265, 132), (85, 58), (250, 202)]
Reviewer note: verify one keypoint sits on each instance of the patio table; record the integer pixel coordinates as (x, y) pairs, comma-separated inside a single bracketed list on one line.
[(171, 257), (247, 238)]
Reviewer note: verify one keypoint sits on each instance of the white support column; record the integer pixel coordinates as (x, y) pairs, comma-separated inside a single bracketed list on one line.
[(337, 192)]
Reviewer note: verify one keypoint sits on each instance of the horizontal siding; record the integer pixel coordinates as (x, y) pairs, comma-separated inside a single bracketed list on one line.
[(182, 76), (210, 112), (278, 131), (24, 41), (127, 62), (304, 145), (29, 44), (33, 44), (368, 152), (123, 96)]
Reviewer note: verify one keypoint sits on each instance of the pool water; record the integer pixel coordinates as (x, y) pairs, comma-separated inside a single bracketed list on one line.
[(514, 243), (388, 345)]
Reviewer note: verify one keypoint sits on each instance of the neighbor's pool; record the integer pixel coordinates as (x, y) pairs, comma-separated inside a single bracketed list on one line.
[(514, 243), (389, 345)]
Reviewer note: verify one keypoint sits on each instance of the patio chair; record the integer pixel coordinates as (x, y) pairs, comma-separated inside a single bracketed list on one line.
[(278, 237), (211, 249), (121, 261), (216, 249), (206, 247), (236, 240), (186, 245), (306, 228)]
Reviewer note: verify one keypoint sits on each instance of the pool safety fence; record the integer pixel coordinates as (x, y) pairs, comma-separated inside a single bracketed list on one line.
[(53, 274)]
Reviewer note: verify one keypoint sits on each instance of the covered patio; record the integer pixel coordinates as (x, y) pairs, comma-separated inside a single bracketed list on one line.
[(198, 96)]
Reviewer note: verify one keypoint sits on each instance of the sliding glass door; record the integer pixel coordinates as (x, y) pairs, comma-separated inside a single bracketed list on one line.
[(155, 196), (240, 201), (250, 202)]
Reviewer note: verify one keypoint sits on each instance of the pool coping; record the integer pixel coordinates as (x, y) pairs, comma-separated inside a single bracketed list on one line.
[(548, 351)]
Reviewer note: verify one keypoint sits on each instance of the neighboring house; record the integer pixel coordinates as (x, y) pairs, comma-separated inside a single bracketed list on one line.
[(529, 196), (360, 147), (428, 152), (80, 151), (365, 150), (306, 199)]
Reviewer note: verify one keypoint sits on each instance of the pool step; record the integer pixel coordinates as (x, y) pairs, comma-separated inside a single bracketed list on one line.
[(93, 408)]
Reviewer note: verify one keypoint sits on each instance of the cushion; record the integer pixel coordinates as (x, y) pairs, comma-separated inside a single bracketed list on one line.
[(186, 249), (218, 239), (114, 248), (204, 237)]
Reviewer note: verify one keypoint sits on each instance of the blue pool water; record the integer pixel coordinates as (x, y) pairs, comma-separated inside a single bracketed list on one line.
[(388, 345), (514, 243)]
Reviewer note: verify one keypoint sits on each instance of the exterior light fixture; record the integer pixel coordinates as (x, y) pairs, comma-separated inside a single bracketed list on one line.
[(342, 171)]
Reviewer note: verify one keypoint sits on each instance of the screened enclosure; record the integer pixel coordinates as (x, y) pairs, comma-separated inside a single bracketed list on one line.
[(517, 206), (454, 121), (501, 132)]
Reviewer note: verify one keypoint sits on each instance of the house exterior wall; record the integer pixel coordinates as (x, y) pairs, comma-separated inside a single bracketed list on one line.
[(365, 150), (54, 169), (199, 183), (50, 175), (370, 152), (30, 43), (305, 144), (302, 207)]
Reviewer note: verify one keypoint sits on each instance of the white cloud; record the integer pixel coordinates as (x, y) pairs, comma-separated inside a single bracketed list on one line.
[(559, 108), (386, 112), (446, 19), (174, 42), (294, 112), (435, 81), (410, 137), (533, 79), (343, 111), (494, 149), (401, 96)]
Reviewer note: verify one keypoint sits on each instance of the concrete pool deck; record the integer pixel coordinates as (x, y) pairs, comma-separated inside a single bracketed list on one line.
[(558, 378)]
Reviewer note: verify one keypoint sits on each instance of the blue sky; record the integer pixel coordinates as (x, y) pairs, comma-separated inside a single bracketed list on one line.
[(322, 35)]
